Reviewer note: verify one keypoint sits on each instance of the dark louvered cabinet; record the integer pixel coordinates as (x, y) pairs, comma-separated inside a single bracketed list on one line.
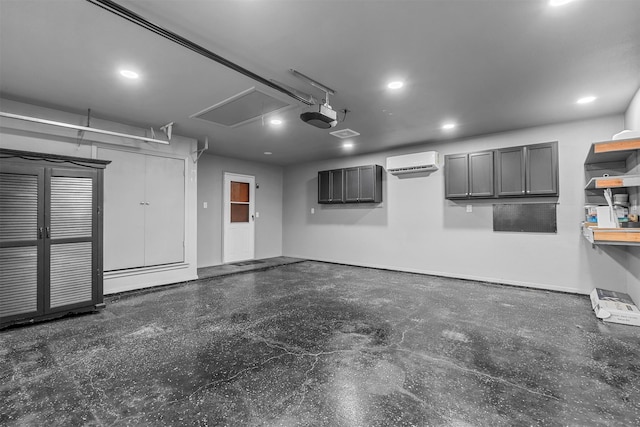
[(50, 235)]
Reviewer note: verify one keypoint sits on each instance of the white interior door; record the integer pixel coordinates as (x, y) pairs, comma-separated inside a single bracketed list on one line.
[(123, 209), (239, 217), (164, 211)]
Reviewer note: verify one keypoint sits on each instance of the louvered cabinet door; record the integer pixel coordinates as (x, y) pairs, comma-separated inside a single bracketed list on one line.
[(70, 227), (21, 242)]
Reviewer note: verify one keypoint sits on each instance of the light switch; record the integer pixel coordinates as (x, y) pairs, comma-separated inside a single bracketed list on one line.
[(204, 205), (257, 214), (313, 211)]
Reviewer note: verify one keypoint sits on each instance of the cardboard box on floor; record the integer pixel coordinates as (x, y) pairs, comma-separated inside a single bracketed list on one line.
[(615, 307)]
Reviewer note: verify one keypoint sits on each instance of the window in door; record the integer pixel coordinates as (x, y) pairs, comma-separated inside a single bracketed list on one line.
[(239, 201)]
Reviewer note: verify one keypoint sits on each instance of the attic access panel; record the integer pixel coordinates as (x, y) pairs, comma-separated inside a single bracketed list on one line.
[(242, 108)]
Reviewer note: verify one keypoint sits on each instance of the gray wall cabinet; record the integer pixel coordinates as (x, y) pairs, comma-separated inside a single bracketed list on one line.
[(470, 175), (50, 235), (360, 184), (524, 171), (530, 170), (331, 186)]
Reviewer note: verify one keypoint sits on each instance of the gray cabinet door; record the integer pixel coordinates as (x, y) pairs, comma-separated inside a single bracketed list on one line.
[(542, 169), (456, 171), (330, 186), (324, 186), (367, 183), (481, 177), (337, 186), (510, 166), (352, 184)]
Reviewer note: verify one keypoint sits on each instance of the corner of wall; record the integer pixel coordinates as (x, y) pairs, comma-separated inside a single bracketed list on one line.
[(632, 122)]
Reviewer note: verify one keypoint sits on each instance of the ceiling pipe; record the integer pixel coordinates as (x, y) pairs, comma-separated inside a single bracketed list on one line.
[(131, 16), (80, 128)]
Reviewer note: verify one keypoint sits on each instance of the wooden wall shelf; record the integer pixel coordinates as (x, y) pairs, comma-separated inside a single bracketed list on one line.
[(613, 182), (600, 157), (612, 236), (612, 151)]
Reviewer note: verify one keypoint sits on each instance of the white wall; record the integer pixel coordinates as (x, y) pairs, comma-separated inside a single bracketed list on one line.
[(632, 122), (27, 136), (632, 115), (268, 226), (416, 229)]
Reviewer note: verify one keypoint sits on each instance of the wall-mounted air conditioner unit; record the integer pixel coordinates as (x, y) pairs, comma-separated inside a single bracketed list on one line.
[(411, 163)]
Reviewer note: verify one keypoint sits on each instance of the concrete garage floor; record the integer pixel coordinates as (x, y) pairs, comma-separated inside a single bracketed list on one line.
[(316, 344)]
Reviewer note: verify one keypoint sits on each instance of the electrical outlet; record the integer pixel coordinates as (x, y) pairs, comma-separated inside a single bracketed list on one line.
[(313, 211), (469, 208), (204, 205)]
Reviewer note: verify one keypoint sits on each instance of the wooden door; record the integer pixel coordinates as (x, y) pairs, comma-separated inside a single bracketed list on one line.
[(70, 227), (21, 241)]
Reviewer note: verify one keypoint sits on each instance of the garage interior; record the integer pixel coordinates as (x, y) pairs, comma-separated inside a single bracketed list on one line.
[(262, 213)]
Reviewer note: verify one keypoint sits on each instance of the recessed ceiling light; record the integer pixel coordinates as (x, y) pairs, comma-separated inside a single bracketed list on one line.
[(347, 145), (276, 122), (559, 2), (397, 84), (268, 153), (129, 74), (448, 126), (586, 100)]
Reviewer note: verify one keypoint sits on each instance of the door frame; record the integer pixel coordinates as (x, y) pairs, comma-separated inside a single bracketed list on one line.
[(226, 212)]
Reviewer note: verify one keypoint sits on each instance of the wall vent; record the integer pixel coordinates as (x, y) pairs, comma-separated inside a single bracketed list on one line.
[(242, 108)]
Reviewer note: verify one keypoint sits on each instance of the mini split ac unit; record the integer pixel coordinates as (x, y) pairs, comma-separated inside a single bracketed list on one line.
[(411, 163)]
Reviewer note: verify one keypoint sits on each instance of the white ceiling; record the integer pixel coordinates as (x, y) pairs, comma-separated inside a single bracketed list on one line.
[(489, 65)]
